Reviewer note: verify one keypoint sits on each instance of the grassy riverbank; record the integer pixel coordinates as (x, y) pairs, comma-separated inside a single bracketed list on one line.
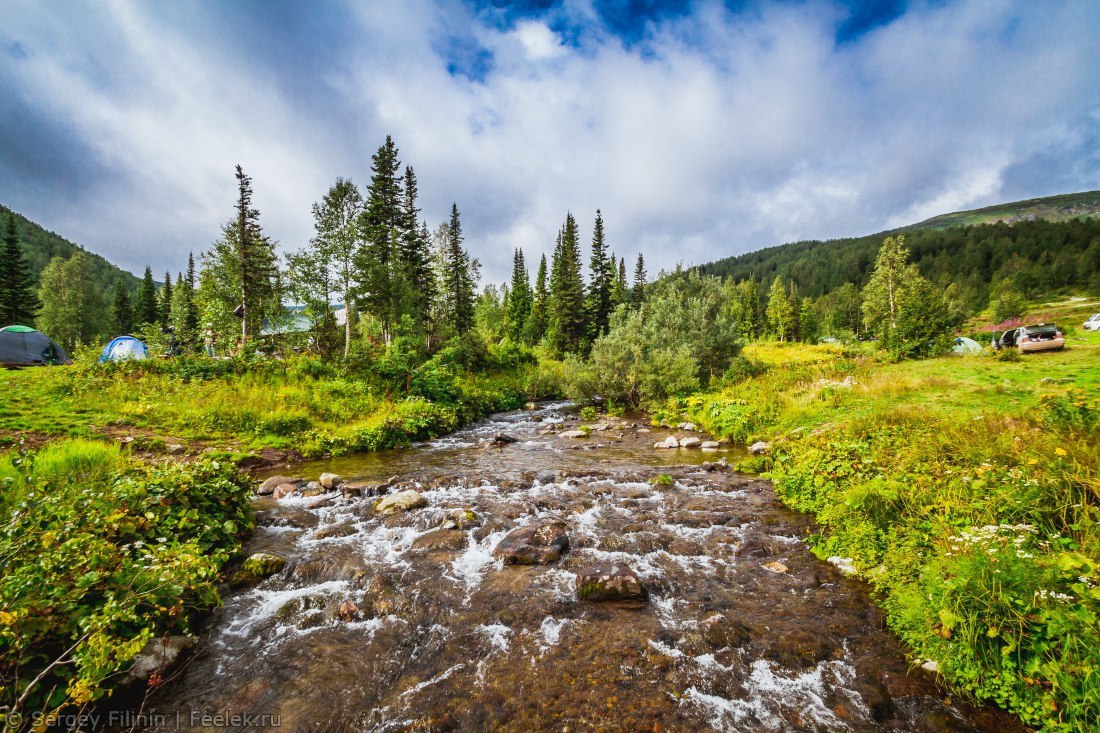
[(300, 406), (966, 491)]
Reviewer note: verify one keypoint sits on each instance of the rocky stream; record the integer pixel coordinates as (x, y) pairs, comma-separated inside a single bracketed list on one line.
[(584, 583)]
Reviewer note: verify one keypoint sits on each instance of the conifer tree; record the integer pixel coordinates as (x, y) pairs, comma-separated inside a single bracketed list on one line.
[(184, 315), (122, 312), (379, 276), (458, 278), (17, 299), (519, 298), (192, 315), (750, 319), (567, 317), (637, 294), (164, 301), (415, 256), (535, 328), (603, 274), (147, 310), (256, 271)]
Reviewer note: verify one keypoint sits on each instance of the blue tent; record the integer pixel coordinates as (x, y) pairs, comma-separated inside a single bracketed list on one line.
[(123, 348)]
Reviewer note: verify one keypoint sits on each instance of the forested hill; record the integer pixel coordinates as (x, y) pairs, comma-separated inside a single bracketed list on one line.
[(41, 245), (1037, 245)]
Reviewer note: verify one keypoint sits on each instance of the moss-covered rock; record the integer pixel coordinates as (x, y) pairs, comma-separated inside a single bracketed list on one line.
[(263, 565)]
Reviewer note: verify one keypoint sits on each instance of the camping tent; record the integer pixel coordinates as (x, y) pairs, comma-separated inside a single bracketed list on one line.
[(23, 345), (122, 348), (963, 345)]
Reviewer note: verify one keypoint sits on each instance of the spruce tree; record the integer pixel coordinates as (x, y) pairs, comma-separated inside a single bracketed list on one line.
[(519, 298), (567, 317), (164, 301), (192, 316), (603, 274), (381, 223), (17, 299), (415, 256), (147, 311), (122, 311), (458, 278), (184, 315), (750, 320), (535, 328), (637, 294)]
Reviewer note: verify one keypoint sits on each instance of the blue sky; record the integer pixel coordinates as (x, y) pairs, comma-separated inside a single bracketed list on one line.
[(701, 129)]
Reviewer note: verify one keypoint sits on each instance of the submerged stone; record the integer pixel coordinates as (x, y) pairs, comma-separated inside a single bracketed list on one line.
[(503, 439), (536, 545), (609, 583)]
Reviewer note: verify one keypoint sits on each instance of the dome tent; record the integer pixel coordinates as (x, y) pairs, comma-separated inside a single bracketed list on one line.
[(964, 345), (123, 348), (24, 346)]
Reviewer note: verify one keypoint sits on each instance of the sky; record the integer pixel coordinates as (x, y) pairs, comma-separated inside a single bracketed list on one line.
[(700, 129)]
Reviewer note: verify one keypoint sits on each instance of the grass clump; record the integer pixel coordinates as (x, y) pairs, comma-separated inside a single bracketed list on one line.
[(102, 553)]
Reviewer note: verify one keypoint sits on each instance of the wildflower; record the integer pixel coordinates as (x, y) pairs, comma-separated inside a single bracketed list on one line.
[(1032, 461), (1059, 451)]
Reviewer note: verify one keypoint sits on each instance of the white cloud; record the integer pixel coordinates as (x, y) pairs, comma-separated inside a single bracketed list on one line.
[(719, 134)]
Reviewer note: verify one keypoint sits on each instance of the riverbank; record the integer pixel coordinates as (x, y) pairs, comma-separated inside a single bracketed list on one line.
[(964, 489)]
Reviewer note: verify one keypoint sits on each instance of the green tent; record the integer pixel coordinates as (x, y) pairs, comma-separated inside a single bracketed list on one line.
[(24, 346)]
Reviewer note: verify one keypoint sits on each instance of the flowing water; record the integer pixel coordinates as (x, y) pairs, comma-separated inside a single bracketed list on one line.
[(408, 622)]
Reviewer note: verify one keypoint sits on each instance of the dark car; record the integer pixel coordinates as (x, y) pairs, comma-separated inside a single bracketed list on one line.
[(1006, 339)]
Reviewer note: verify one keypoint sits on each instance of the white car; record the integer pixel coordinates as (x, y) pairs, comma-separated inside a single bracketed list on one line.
[(1093, 323)]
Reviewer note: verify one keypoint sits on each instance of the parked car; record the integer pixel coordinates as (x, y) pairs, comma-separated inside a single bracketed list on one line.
[(1004, 340), (1042, 337), (1093, 323)]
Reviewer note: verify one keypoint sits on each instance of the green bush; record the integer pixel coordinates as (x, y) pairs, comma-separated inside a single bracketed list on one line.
[(100, 555)]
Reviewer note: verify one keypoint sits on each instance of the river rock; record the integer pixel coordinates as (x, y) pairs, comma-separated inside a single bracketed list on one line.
[(263, 564), (157, 657), (176, 448), (402, 501), (574, 434), (536, 545), (283, 490), (330, 481), (752, 546), (609, 583), (691, 442), (690, 426), (530, 406), (775, 567), (759, 448), (335, 530), (642, 431), (350, 491), (710, 445), (268, 486), (721, 632), (669, 442), (503, 439), (313, 488)]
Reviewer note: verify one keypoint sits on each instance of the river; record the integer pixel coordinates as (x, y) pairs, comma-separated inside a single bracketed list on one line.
[(408, 622)]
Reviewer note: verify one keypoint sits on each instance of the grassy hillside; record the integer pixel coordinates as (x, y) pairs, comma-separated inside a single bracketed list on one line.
[(1052, 208), (42, 245)]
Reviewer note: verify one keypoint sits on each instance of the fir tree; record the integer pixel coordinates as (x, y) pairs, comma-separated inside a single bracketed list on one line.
[(567, 317), (535, 328), (164, 301), (415, 256), (750, 322), (458, 278), (184, 315), (147, 311), (637, 294), (17, 299), (519, 298), (192, 316), (256, 271), (603, 274), (122, 311), (381, 224)]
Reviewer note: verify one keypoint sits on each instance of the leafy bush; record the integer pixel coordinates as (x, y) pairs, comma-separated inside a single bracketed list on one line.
[(102, 554)]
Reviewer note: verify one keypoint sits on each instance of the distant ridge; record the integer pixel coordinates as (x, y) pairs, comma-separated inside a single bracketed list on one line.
[(41, 245), (1039, 244), (1063, 207)]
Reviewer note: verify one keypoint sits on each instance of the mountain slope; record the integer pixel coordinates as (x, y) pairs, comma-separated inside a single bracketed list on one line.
[(41, 245), (1040, 244)]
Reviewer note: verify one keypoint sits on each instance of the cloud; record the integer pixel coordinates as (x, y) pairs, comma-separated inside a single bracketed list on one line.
[(700, 131)]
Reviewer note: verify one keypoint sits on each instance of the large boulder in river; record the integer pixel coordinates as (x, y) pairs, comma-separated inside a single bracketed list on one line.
[(669, 442), (760, 448), (330, 481), (268, 486), (690, 442), (539, 544), (609, 583), (401, 501), (503, 439), (158, 656)]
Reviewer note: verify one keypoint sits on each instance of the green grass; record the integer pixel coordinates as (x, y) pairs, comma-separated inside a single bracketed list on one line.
[(965, 489)]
